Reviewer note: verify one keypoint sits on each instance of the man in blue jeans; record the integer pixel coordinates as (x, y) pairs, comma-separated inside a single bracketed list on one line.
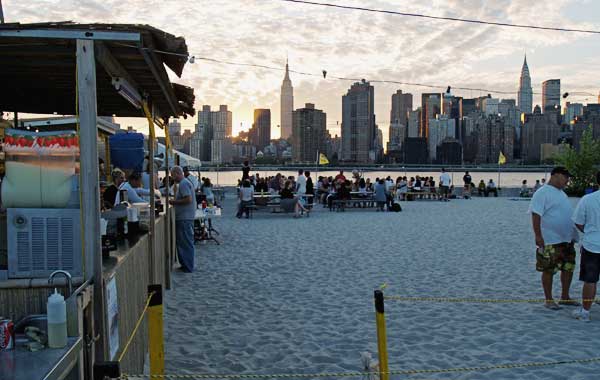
[(185, 213)]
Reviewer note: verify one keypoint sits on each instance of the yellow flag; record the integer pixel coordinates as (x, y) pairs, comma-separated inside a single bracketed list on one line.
[(501, 159), (323, 159)]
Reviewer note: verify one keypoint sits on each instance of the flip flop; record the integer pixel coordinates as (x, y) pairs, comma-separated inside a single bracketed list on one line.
[(552, 306), (569, 302)]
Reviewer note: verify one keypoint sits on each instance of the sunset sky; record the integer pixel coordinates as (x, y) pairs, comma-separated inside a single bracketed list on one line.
[(355, 44)]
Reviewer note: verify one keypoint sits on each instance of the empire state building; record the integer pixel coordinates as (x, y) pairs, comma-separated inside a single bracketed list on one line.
[(525, 95), (287, 104)]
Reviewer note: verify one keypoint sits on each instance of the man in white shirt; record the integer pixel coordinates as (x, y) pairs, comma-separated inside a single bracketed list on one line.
[(587, 220), (301, 183), (555, 234), (445, 185)]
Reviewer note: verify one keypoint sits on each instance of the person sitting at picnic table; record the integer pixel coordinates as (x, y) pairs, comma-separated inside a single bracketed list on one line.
[(332, 195), (380, 194), (537, 185), (525, 191), (206, 189), (481, 189), (369, 185), (401, 188), (246, 198), (261, 186), (340, 178), (289, 202), (491, 188), (310, 188), (275, 184), (324, 190)]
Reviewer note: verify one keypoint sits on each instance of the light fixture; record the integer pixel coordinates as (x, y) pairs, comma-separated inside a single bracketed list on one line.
[(192, 59), (126, 90)]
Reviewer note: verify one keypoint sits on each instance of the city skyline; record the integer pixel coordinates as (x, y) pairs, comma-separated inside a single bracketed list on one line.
[(379, 47)]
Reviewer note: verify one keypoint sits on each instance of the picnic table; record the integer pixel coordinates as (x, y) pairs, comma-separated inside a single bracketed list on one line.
[(203, 227)]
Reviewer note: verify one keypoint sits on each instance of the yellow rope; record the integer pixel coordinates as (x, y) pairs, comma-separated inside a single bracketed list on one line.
[(135, 329), (474, 300), (357, 374)]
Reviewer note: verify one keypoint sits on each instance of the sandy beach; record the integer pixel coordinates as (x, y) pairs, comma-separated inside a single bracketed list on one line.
[(296, 296)]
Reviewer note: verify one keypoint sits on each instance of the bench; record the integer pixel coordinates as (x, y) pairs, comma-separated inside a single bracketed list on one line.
[(413, 195), (340, 204)]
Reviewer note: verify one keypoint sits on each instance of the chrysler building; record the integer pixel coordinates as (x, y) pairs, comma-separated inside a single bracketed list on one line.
[(525, 95)]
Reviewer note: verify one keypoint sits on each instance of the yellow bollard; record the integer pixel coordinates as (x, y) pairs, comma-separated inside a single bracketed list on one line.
[(155, 331), (381, 337)]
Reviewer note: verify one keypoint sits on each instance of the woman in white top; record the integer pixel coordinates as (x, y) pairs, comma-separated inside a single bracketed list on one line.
[(246, 198), (401, 188)]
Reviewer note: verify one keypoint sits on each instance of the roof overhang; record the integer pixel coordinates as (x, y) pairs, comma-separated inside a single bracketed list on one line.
[(38, 73)]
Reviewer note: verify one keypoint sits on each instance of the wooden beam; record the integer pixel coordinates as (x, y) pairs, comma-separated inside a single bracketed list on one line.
[(89, 181), (112, 65), (163, 80), (71, 34)]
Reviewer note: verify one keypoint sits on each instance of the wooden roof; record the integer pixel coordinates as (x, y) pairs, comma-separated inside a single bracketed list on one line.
[(37, 68)]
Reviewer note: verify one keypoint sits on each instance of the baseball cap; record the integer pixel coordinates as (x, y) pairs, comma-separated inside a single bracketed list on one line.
[(560, 170)]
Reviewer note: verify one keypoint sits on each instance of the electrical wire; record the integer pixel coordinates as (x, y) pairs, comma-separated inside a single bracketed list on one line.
[(325, 75), (444, 18)]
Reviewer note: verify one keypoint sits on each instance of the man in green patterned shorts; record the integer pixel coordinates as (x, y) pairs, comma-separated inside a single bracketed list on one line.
[(555, 235)]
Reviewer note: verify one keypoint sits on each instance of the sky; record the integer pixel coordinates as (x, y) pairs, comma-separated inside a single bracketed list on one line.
[(354, 44)]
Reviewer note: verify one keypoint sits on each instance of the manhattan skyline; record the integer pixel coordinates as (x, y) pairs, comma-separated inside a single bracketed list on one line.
[(353, 44)]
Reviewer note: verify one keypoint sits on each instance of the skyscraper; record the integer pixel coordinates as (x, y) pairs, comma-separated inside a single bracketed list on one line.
[(174, 127), (358, 122), (525, 95), (401, 105), (430, 108), (260, 135), (220, 145), (309, 133), (550, 95), (287, 104), (538, 129)]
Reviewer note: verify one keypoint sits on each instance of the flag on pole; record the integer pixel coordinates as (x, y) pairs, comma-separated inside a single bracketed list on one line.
[(501, 159), (323, 159)]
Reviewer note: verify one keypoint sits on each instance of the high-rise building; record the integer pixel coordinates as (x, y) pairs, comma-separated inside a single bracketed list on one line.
[(440, 129), (430, 108), (538, 129), (414, 120), (525, 95), (287, 104), (490, 106), (358, 122), (401, 105), (571, 111), (550, 95), (260, 134), (397, 135), (205, 130), (452, 107), (196, 145), (213, 133), (309, 133), (174, 127)]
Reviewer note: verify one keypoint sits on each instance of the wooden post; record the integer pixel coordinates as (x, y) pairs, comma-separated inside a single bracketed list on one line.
[(168, 237), (151, 229), (90, 192), (156, 343), (107, 168), (381, 336)]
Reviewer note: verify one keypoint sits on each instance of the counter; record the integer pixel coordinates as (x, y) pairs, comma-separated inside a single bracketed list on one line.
[(47, 364)]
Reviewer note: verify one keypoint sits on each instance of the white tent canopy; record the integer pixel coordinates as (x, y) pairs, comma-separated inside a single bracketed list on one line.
[(184, 159)]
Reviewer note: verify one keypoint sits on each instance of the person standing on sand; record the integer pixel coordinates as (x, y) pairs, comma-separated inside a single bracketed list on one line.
[(587, 220), (445, 182), (185, 213), (555, 236)]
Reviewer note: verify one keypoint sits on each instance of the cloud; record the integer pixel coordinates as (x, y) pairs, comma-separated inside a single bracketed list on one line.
[(346, 43)]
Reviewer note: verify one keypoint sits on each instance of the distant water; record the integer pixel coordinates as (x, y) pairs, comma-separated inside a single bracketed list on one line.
[(513, 179)]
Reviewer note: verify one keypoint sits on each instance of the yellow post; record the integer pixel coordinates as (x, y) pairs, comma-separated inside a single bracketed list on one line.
[(381, 336), (155, 331)]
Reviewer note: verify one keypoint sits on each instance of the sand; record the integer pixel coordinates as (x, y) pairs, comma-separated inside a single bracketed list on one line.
[(295, 296)]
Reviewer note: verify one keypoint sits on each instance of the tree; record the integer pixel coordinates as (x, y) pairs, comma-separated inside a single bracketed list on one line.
[(582, 165)]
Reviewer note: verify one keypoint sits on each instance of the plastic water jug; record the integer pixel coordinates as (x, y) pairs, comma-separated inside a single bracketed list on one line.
[(57, 320)]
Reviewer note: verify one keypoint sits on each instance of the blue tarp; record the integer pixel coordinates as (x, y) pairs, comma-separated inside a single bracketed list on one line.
[(127, 151)]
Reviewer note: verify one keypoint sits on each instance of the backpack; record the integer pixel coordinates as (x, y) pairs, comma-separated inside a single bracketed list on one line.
[(396, 207)]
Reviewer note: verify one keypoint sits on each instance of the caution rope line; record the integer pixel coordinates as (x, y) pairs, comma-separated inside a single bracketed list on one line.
[(476, 300), (137, 326), (357, 374)]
